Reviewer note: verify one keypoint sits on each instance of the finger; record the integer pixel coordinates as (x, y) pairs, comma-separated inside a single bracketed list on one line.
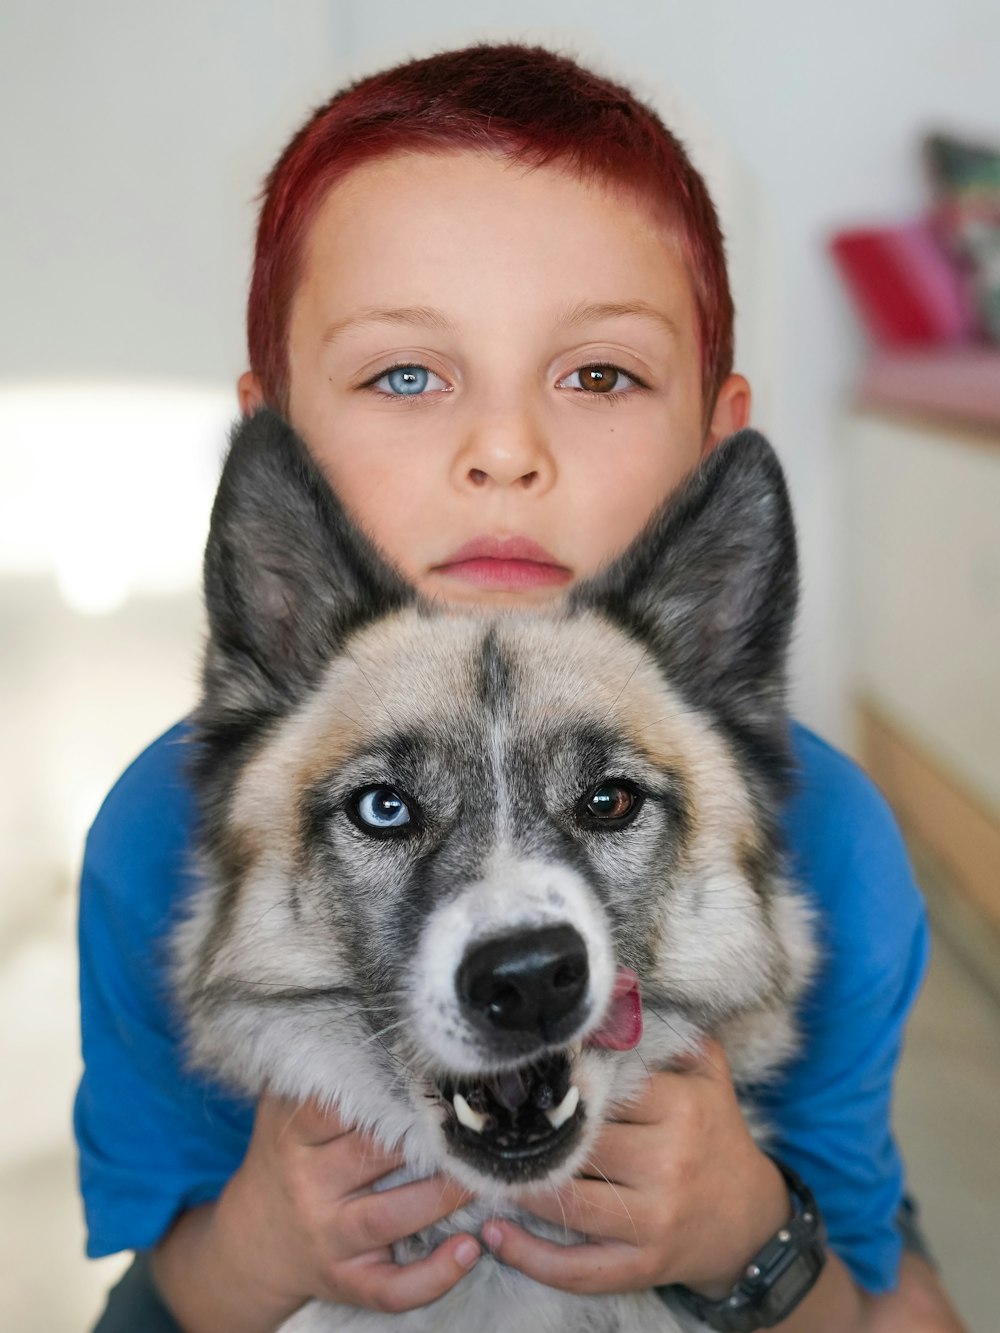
[(586, 1268), (590, 1206), (372, 1221), (394, 1288)]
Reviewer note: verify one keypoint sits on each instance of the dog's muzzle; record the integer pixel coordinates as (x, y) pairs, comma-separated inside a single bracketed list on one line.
[(525, 993), (522, 994)]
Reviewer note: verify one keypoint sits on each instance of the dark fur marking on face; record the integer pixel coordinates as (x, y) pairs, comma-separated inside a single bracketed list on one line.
[(233, 856), (766, 752), (598, 750), (218, 994), (496, 674), (759, 868)]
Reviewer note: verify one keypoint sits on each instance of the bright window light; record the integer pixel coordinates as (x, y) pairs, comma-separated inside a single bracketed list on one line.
[(108, 486)]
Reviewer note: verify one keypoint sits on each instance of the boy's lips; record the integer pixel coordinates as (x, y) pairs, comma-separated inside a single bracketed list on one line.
[(504, 562)]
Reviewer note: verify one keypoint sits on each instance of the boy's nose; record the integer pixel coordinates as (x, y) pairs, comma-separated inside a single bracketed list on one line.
[(509, 450)]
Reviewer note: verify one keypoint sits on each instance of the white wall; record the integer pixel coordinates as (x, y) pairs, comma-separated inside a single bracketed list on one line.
[(134, 139)]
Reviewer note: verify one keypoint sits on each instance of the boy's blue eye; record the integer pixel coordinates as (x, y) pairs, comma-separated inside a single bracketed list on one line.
[(404, 381)]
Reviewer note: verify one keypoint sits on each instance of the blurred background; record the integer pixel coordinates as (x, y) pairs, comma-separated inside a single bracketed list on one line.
[(866, 271)]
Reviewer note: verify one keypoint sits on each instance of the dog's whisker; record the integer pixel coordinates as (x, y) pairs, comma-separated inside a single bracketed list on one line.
[(389, 1027), (638, 1054), (691, 1047), (374, 691), (562, 1209), (644, 654), (625, 1208)]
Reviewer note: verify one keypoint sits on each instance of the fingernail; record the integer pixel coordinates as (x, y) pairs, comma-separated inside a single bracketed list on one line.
[(467, 1252), (492, 1235)]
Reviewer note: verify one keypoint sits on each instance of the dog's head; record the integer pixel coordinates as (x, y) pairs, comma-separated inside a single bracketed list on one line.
[(445, 854)]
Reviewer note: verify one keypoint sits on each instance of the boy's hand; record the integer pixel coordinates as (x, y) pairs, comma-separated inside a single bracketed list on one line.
[(675, 1191), (301, 1220)]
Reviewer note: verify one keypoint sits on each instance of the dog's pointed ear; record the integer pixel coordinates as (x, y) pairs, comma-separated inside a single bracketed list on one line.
[(711, 583), (287, 575)]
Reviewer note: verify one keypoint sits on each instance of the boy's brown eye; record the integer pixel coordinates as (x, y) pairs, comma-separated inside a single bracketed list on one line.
[(602, 379)]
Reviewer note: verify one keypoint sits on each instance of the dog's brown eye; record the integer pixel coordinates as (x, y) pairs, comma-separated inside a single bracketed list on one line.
[(612, 802)]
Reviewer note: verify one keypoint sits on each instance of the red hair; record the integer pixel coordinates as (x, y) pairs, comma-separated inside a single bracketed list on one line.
[(523, 102)]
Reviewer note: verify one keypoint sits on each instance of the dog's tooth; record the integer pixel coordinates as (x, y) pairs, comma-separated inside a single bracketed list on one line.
[(467, 1116), (561, 1113)]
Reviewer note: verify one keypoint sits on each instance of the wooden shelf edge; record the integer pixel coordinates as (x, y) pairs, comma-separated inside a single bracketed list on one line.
[(950, 822)]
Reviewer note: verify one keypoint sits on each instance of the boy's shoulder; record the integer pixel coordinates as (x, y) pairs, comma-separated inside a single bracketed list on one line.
[(846, 850), (142, 832), (826, 774)]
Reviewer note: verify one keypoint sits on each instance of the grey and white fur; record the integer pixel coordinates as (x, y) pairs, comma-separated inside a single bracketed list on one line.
[(396, 794)]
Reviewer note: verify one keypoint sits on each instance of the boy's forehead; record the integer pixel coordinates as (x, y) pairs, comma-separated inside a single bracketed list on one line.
[(387, 234)]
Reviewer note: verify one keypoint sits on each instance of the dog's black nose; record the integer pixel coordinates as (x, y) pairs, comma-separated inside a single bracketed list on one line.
[(533, 982)]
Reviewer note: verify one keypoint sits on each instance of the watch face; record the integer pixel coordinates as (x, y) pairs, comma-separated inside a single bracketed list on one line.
[(787, 1286)]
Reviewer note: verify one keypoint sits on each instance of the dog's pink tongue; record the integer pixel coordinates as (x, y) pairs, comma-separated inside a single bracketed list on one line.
[(622, 1027)]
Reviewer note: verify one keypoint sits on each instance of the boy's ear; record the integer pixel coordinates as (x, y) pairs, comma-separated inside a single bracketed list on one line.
[(711, 583), (249, 393), (730, 413), (287, 575)]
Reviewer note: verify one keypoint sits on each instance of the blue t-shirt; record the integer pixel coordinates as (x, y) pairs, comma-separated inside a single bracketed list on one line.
[(155, 1139)]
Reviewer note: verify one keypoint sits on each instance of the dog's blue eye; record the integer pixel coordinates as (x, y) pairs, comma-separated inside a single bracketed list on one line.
[(381, 808)]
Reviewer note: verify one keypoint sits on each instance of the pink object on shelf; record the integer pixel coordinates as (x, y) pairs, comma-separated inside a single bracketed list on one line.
[(962, 384), (905, 285)]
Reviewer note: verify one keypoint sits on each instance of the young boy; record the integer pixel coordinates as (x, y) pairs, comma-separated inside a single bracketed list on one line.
[(490, 294)]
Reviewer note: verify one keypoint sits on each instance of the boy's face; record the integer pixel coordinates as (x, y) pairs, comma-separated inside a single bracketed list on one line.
[(510, 335)]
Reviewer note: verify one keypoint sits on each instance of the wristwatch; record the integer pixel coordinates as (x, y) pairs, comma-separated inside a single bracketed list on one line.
[(775, 1280)]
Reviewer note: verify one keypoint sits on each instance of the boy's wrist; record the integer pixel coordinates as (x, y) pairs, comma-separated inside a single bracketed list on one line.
[(207, 1276), (249, 1249), (761, 1207)]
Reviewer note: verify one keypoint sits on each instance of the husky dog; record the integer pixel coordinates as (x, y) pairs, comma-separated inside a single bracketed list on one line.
[(466, 876)]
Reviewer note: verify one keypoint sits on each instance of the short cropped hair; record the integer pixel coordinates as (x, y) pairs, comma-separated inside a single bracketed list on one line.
[(526, 103)]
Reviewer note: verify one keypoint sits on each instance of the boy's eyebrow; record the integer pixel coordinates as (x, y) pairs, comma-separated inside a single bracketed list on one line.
[(380, 314), (585, 311), (582, 312)]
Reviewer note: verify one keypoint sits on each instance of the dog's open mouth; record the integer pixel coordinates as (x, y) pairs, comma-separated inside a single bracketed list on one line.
[(518, 1124)]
